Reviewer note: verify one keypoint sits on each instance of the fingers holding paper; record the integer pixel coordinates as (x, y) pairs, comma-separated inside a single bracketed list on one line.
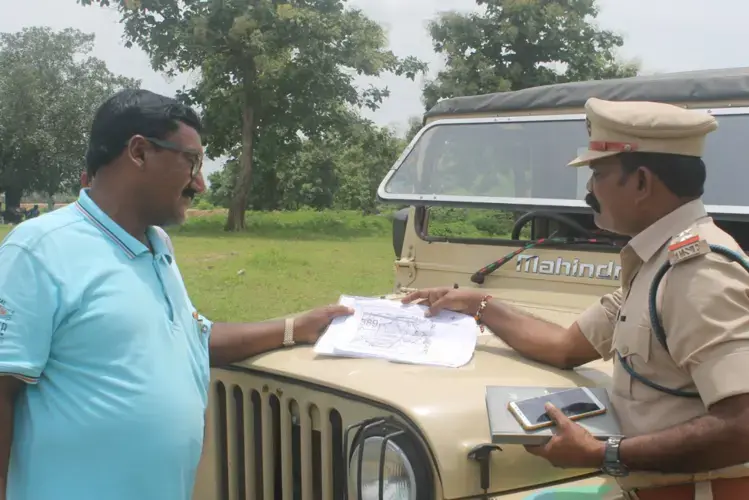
[(464, 300), (427, 296), (311, 325), (571, 446)]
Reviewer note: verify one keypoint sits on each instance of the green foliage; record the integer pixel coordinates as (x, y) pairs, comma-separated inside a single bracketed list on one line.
[(201, 202), (339, 169), (470, 222), (270, 71), (308, 224), (49, 90), (303, 224), (516, 44)]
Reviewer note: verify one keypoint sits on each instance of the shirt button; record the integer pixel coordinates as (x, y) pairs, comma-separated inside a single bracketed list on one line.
[(625, 350)]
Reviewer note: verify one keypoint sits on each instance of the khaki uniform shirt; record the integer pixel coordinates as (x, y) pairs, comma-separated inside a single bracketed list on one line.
[(703, 305)]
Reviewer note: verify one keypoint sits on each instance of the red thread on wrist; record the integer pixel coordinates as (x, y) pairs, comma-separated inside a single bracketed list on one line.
[(484, 301)]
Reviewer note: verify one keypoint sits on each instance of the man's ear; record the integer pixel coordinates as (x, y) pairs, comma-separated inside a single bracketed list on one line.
[(645, 183), (136, 150)]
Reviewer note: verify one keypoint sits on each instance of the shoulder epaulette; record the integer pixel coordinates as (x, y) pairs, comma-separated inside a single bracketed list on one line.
[(686, 245)]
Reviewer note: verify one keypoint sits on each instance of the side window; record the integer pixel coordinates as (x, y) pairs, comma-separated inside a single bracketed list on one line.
[(473, 223)]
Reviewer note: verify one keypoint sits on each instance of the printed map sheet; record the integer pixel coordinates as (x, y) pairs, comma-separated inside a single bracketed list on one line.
[(387, 329)]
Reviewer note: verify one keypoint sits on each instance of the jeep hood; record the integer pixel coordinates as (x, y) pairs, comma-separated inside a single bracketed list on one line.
[(448, 404)]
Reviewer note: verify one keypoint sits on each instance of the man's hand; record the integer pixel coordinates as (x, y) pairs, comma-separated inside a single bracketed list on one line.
[(309, 326), (571, 446), (464, 300)]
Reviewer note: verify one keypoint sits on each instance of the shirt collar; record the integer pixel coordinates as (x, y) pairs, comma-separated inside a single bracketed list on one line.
[(124, 240), (647, 243)]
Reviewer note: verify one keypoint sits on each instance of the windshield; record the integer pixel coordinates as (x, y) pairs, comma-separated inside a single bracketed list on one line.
[(524, 161)]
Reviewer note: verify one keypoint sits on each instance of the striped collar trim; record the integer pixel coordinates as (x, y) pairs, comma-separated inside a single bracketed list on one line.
[(104, 229), (108, 227)]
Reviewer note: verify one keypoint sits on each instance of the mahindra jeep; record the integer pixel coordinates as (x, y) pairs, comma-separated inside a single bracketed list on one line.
[(291, 425)]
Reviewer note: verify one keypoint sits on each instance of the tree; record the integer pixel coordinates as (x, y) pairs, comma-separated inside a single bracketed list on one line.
[(516, 44), (269, 70), (340, 168), (415, 124), (49, 92)]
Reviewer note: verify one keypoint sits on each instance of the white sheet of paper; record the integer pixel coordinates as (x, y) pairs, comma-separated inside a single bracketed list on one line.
[(387, 329)]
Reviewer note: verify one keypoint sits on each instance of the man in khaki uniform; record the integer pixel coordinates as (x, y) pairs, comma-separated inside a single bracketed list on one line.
[(684, 407)]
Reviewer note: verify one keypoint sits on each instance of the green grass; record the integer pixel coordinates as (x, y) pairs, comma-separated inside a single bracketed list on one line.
[(284, 262), (246, 278)]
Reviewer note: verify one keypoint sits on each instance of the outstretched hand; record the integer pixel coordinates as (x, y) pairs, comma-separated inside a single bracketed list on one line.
[(464, 300), (571, 446), (309, 326)]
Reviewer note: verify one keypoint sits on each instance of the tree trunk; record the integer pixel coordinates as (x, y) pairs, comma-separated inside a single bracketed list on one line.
[(13, 197), (235, 220)]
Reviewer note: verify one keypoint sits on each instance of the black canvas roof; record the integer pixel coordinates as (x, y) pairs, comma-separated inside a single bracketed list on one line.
[(689, 86)]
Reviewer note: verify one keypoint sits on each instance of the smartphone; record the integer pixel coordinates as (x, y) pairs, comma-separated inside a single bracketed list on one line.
[(576, 403)]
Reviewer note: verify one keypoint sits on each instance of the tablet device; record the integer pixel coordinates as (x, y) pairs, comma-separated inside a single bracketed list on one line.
[(576, 403)]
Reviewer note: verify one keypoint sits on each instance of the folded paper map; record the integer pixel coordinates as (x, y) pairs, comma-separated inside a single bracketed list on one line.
[(388, 329)]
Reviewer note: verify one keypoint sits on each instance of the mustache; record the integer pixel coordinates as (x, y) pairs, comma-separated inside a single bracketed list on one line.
[(592, 202)]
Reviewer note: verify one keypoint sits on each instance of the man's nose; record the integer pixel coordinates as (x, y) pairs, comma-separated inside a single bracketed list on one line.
[(589, 184), (198, 183)]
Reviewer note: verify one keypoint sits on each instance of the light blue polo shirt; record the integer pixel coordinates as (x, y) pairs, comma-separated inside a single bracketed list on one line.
[(117, 365)]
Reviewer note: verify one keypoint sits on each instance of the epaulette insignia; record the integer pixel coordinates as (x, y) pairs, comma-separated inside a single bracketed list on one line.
[(685, 246)]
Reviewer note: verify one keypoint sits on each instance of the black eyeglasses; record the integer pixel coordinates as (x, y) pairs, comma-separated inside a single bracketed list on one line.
[(196, 159)]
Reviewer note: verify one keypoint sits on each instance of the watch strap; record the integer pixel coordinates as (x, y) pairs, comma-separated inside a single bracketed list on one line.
[(612, 464), (288, 332)]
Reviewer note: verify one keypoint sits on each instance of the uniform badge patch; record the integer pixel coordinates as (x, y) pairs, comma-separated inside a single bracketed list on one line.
[(686, 245)]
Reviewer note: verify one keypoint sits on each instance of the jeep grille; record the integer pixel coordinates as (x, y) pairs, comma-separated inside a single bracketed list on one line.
[(271, 440)]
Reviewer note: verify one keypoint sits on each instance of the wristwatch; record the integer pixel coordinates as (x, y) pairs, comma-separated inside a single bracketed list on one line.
[(611, 463), (288, 332)]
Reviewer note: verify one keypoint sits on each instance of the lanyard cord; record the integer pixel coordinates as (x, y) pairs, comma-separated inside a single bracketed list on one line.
[(658, 330)]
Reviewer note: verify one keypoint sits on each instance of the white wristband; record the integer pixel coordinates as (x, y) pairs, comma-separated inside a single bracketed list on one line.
[(288, 333)]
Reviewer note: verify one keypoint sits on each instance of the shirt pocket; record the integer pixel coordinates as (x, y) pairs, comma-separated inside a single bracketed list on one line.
[(632, 346)]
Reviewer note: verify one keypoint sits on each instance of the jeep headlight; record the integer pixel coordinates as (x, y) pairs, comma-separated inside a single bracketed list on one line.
[(386, 461)]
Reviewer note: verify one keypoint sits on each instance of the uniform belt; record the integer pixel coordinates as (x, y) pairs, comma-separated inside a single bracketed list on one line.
[(722, 489)]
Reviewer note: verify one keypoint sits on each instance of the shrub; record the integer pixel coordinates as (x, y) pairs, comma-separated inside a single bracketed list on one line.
[(316, 224)]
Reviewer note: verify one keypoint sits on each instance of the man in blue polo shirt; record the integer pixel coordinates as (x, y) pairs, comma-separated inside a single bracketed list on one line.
[(105, 361)]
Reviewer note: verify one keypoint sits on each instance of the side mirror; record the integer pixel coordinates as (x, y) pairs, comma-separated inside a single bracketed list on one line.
[(400, 221)]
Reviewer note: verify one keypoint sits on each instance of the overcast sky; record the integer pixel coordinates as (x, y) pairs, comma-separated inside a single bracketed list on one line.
[(665, 35)]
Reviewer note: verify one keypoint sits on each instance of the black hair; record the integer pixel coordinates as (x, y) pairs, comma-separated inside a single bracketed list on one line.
[(683, 175), (132, 112)]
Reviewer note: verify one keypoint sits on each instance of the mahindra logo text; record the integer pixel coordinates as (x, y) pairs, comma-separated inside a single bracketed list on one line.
[(561, 267)]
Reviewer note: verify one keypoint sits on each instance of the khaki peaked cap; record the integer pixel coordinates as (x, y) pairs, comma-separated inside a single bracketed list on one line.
[(639, 126)]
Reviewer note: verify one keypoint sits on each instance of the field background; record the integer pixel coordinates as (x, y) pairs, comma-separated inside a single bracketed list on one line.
[(284, 263)]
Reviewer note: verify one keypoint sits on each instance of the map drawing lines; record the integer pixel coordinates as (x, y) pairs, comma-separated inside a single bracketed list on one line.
[(381, 330)]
